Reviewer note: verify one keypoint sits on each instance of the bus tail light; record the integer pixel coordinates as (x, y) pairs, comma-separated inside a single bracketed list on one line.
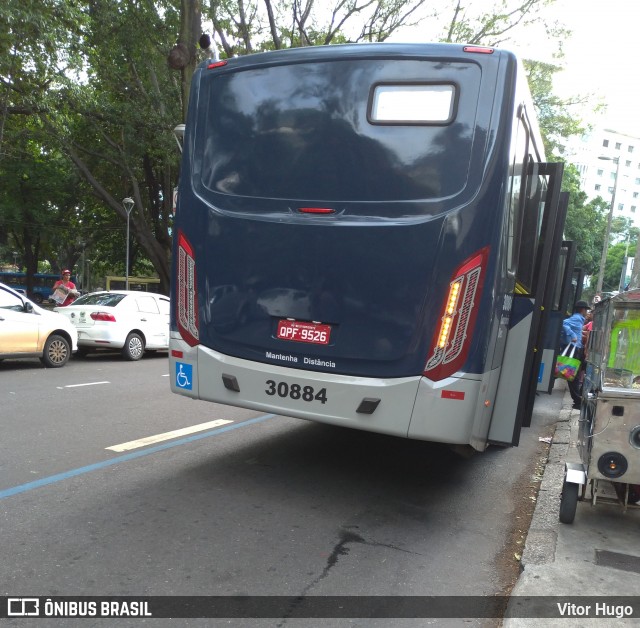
[(316, 210), (483, 50), (187, 301), (452, 339)]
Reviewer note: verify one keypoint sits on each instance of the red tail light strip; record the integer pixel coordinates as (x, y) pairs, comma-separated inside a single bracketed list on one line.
[(479, 50), (316, 210), (187, 307)]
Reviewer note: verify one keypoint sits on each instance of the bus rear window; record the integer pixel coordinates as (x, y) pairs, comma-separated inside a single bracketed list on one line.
[(339, 131), (412, 104)]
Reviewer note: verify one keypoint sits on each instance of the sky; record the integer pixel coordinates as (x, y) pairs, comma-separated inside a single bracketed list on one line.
[(602, 57)]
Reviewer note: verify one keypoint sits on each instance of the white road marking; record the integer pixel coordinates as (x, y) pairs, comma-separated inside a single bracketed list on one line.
[(78, 385), (158, 438)]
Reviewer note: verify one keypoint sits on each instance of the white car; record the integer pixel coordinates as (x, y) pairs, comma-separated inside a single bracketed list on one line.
[(29, 331), (127, 320)]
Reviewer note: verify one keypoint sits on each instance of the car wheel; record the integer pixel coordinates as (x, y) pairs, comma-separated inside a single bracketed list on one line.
[(57, 352), (133, 347)]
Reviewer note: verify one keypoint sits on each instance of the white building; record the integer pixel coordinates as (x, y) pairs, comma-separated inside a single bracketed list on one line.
[(602, 156)]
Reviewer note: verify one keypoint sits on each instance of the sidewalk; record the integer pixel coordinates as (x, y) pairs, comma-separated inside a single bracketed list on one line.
[(597, 555)]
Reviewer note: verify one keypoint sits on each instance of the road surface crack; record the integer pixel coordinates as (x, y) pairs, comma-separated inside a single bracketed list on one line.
[(347, 537)]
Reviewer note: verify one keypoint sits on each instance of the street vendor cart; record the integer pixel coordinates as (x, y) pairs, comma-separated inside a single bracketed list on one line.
[(609, 424)]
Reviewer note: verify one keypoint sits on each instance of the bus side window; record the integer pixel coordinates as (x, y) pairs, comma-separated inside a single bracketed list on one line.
[(517, 194)]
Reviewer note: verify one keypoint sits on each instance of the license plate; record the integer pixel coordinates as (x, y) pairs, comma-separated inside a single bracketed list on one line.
[(298, 331)]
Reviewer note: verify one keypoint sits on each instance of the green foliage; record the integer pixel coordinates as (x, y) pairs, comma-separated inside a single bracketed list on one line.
[(585, 223), (495, 23), (616, 257), (555, 117), (38, 199), (242, 28), (88, 104), (113, 121)]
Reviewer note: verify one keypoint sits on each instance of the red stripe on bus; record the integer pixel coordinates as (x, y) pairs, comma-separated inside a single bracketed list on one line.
[(452, 394)]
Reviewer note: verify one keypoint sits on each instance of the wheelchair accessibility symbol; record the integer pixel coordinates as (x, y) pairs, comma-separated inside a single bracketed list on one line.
[(184, 375)]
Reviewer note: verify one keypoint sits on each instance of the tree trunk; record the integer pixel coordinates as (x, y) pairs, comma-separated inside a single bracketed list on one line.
[(190, 28)]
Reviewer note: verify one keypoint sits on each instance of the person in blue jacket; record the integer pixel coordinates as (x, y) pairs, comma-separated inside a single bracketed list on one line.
[(572, 333)]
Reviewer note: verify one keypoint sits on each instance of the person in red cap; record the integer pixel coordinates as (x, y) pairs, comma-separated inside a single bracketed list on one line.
[(64, 290)]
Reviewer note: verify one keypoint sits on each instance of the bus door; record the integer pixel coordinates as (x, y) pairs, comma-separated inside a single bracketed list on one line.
[(539, 236), (563, 297)]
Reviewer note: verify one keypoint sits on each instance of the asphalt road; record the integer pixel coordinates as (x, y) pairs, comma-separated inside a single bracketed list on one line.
[(260, 505)]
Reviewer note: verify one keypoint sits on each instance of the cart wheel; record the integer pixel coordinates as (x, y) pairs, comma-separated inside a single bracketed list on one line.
[(568, 502)]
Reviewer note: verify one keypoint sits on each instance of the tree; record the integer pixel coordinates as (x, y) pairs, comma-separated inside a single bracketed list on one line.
[(183, 56), (242, 27), (95, 78), (616, 258), (556, 117), (38, 43), (495, 25), (635, 274), (585, 223), (38, 199), (116, 128)]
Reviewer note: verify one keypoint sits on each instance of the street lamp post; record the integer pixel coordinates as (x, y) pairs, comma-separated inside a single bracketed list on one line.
[(128, 206), (605, 246), (89, 275), (82, 277)]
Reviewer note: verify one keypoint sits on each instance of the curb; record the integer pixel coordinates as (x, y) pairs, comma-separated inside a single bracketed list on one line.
[(591, 563), (540, 545)]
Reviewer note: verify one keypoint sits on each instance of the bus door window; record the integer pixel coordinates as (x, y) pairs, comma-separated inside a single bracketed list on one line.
[(531, 228), (518, 168)]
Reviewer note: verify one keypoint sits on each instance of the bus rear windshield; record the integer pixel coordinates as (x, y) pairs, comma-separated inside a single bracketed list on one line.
[(347, 130)]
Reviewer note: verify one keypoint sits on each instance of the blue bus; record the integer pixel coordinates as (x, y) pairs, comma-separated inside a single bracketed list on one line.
[(42, 283), (366, 236)]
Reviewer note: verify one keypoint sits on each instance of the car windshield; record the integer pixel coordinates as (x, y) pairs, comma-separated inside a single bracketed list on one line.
[(108, 299)]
